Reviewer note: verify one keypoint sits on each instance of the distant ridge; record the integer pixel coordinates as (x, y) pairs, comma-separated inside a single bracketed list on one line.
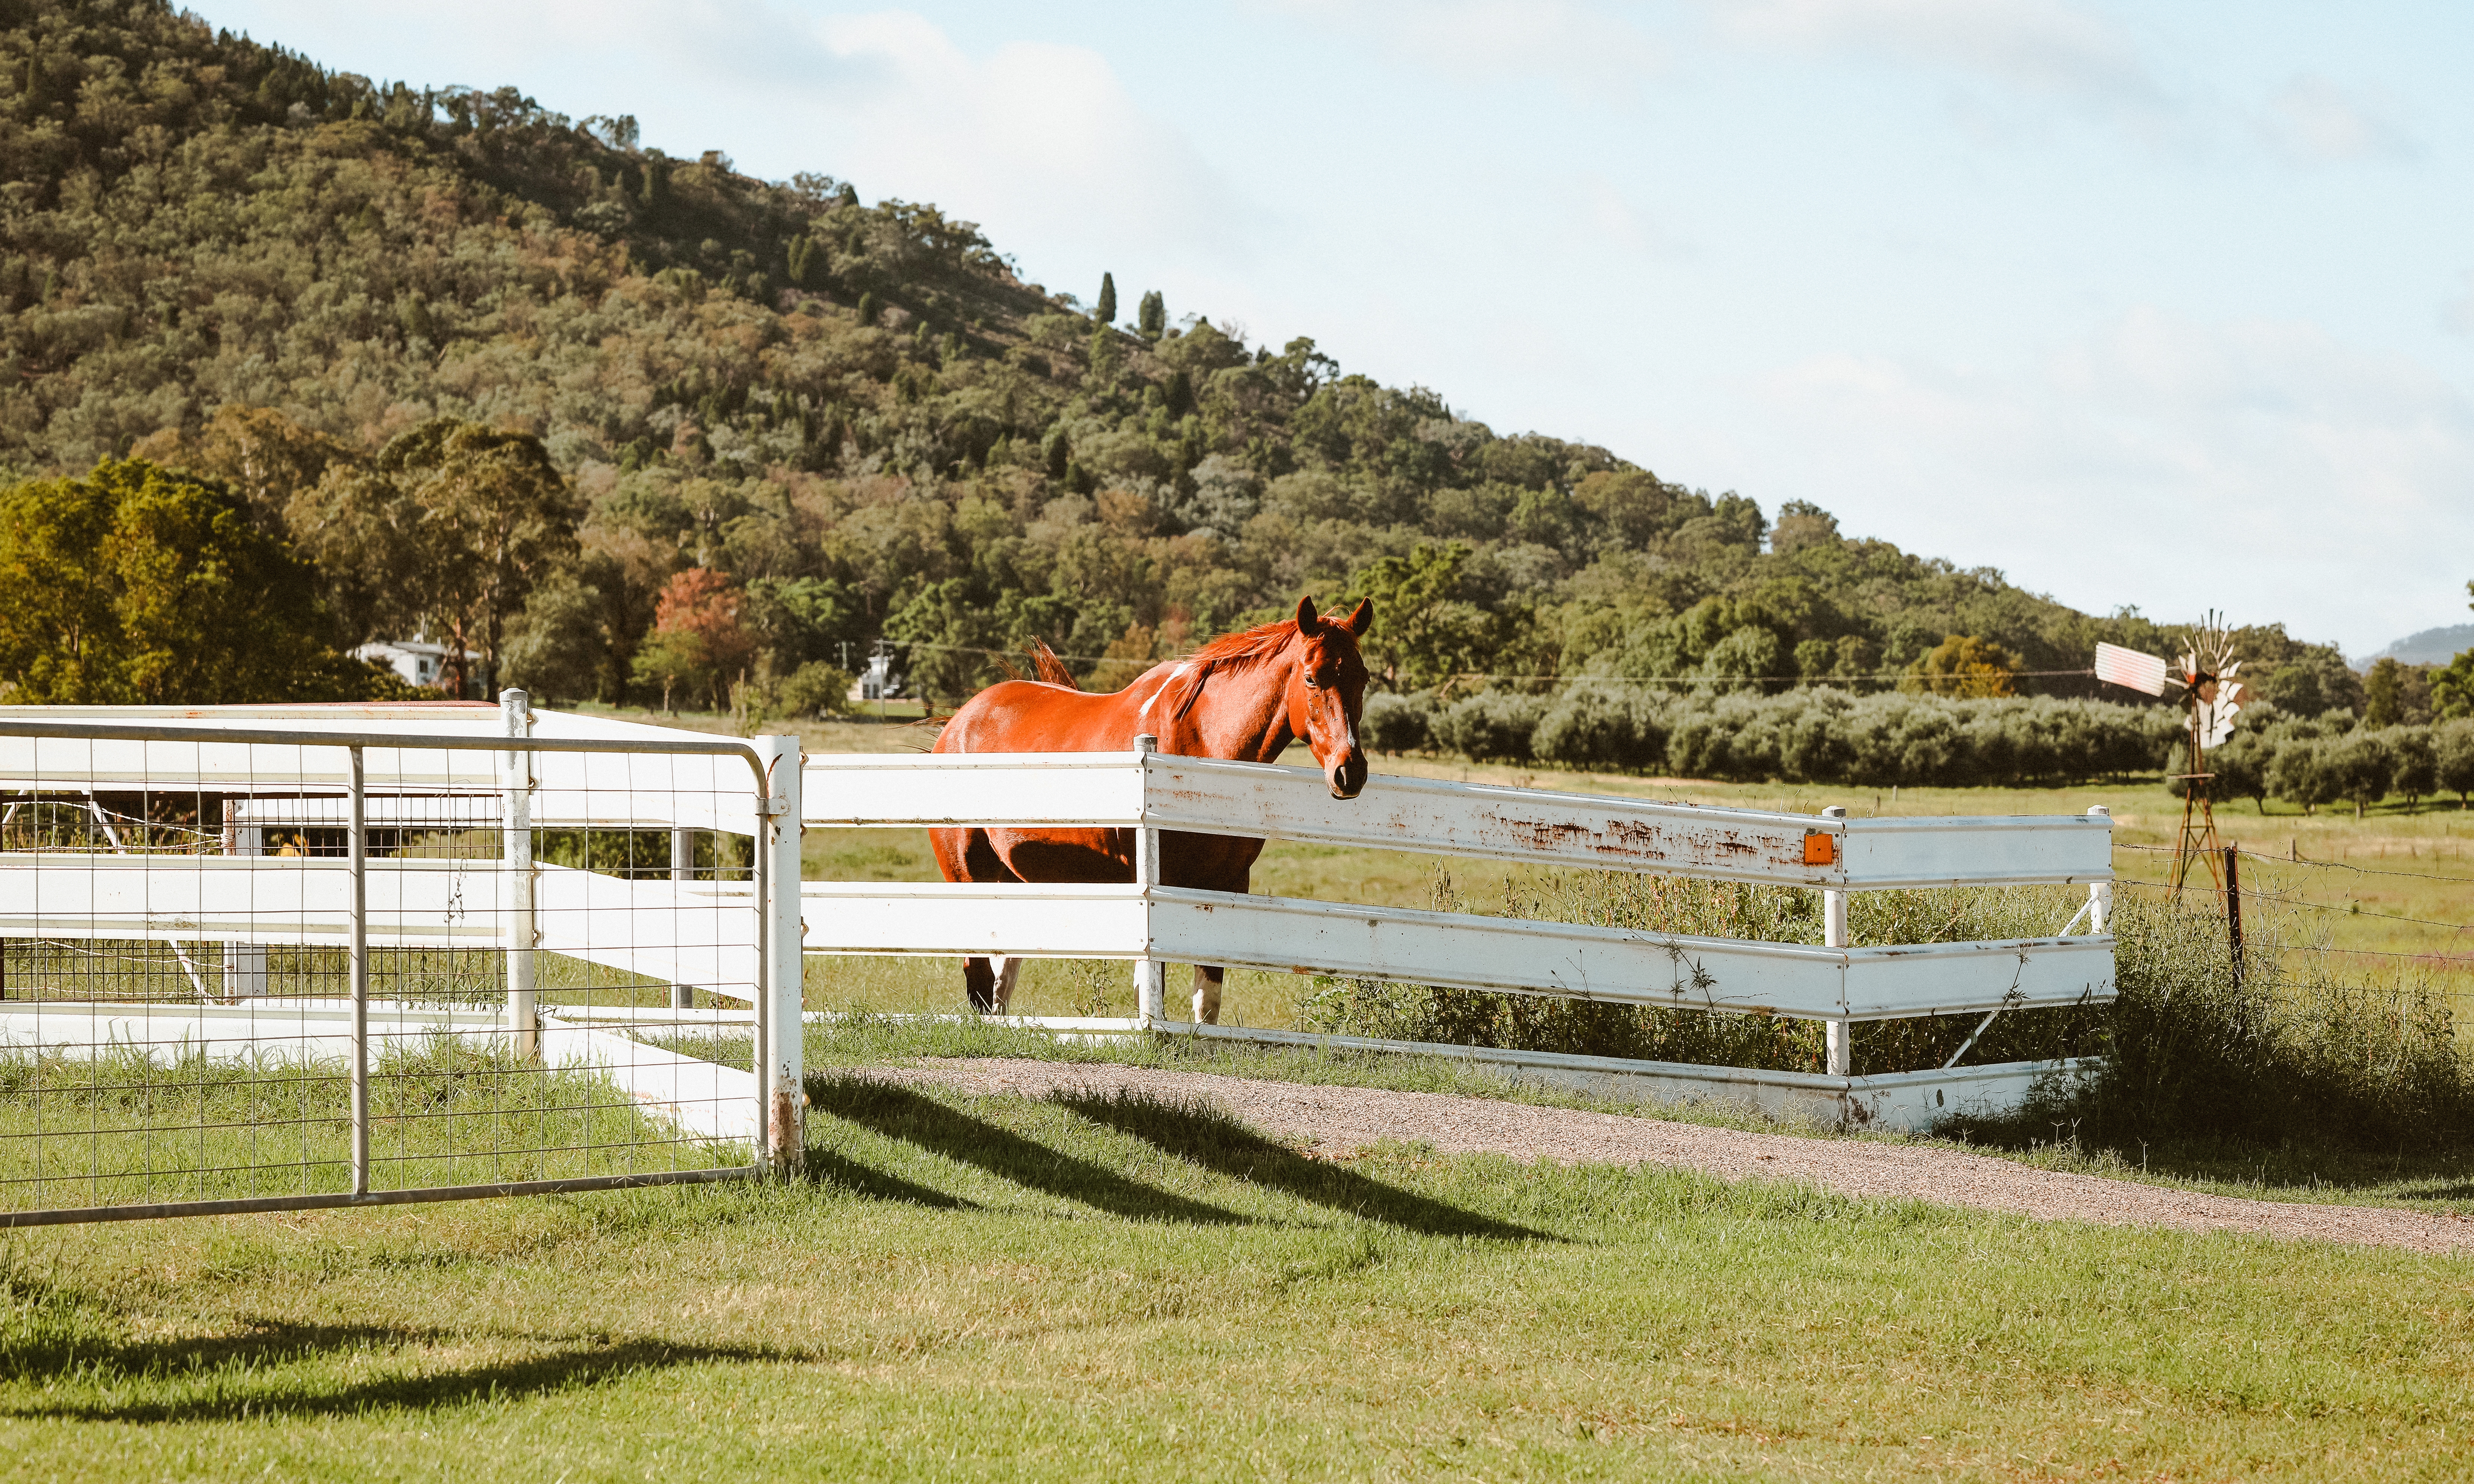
[(2430, 647)]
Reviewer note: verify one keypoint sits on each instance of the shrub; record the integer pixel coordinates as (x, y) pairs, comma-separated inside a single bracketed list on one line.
[(2358, 769), (2414, 762), (1395, 723), (1491, 727), (2287, 1052), (1595, 727), (2454, 744)]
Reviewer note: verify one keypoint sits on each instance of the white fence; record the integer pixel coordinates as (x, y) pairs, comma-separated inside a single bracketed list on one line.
[(1151, 924), (260, 958), (280, 958)]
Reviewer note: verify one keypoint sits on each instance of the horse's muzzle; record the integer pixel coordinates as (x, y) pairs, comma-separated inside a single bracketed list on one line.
[(1348, 777)]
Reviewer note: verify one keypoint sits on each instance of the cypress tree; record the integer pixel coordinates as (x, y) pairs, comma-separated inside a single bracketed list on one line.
[(1151, 319), (867, 308), (1107, 307), (1060, 454), (1179, 394), (802, 258)]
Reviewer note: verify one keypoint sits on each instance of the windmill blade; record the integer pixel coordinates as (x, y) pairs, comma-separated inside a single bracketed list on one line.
[(2131, 669)]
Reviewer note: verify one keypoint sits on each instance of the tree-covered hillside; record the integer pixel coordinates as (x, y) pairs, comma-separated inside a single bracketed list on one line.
[(771, 424)]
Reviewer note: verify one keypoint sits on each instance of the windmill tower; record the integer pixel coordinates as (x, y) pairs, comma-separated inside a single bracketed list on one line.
[(2211, 696)]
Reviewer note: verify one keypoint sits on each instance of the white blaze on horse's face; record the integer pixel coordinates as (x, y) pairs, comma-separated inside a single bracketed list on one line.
[(1327, 693)]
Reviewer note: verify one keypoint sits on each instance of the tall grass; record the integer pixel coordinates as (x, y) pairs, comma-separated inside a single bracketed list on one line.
[(2297, 1047), (2293, 1048)]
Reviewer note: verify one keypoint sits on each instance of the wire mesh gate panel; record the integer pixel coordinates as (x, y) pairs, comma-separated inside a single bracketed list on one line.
[(380, 960)]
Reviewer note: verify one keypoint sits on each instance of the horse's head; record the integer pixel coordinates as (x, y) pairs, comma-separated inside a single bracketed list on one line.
[(1326, 693)]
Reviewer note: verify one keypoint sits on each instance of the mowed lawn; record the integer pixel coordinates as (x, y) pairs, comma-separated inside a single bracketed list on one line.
[(1004, 1288)]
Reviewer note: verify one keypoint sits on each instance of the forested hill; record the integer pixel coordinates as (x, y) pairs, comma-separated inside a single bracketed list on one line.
[(821, 420)]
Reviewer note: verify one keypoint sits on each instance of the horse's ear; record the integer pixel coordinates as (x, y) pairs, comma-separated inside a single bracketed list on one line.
[(1362, 620), (1309, 622)]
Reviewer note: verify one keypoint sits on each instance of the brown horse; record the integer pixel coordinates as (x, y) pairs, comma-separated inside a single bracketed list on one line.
[(1244, 696)]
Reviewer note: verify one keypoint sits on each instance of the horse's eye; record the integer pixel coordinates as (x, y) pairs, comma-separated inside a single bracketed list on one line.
[(1312, 684)]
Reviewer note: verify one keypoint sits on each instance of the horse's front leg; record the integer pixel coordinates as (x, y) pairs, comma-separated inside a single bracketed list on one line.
[(1208, 979), (990, 983)]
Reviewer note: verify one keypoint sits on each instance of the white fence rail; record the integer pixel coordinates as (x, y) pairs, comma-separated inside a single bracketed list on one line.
[(1134, 789), (1148, 793)]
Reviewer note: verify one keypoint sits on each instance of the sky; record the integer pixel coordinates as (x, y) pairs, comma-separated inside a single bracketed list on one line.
[(2166, 307)]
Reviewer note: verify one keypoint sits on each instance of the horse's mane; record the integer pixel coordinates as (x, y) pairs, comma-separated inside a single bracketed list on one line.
[(1246, 646), (1241, 650)]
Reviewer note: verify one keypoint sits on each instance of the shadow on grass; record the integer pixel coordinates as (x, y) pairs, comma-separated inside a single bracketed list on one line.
[(240, 1374), (1216, 1141), (2393, 1174), (826, 1167), (898, 1112)]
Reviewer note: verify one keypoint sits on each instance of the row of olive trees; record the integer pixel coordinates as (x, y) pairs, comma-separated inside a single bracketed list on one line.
[(1802, 736), (2313, 763)]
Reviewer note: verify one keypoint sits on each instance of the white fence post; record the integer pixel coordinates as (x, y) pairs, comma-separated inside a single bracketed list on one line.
[(244, 964), (357, 850), (1150, 976), (682, 870), (1834, 934), (516, 780), (782, 1029), (2100, 892)]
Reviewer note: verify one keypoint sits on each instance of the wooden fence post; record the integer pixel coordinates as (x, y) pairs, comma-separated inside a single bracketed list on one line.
[(2233, 908)]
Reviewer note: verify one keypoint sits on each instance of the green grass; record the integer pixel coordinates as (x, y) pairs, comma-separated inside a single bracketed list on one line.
[(122, 1130), (1110, 1288)]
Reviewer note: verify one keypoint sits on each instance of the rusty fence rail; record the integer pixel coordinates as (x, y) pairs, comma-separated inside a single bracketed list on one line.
[(1143, 792)]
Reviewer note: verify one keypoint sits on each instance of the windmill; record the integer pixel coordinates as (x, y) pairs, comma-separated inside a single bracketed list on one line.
[(2211, 696)]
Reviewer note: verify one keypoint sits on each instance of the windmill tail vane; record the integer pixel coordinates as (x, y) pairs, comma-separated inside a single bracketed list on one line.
[(2212, 697)]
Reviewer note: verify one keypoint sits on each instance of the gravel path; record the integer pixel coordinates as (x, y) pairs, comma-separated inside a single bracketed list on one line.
[(1340, 1119)]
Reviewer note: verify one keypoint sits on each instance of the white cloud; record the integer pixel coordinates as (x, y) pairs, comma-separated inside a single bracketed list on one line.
[(1574, 44), (1040, 142), (2458, 314), (2264, 468), (2313, 121), (2041, 46), (1038, 139)]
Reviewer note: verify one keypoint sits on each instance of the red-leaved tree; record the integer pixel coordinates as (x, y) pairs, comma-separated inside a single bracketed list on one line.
[(700, 640)]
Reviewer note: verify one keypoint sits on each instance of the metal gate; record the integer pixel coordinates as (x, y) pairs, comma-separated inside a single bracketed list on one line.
[(347, 956)]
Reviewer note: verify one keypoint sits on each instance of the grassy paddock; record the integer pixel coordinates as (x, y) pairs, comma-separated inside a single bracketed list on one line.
[(1124, 1288), (126, 1130)]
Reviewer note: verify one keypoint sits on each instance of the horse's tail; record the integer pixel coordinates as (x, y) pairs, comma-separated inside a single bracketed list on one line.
[(1045, 667), (1050, 668)]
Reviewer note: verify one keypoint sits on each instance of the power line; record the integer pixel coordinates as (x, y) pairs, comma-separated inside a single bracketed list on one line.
[(2254, 895), (1824, 680), (2334, 865)]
